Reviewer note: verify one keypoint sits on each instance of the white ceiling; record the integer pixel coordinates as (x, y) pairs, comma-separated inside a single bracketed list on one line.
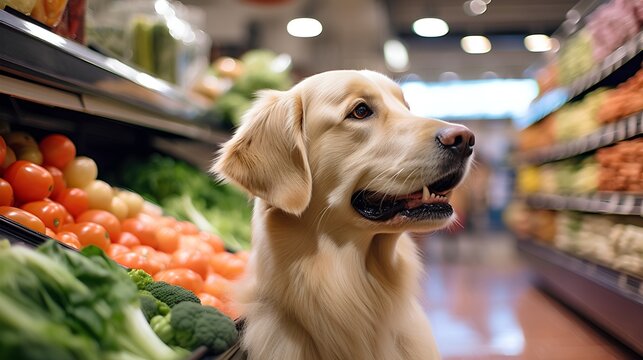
[(354, 31)]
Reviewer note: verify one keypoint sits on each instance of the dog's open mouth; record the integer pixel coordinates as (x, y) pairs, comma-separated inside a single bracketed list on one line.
[(428, 203)]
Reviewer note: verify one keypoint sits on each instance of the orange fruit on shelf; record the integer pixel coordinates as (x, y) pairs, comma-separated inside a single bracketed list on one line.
[(57, 150), (128, 239), (144, 231), (23, 217), (6, 193), (51, 213), (68, 238), (89, 233), (30, 182), (227, 265), (192, 259), (185, 278), (108, 220), (74, 200)]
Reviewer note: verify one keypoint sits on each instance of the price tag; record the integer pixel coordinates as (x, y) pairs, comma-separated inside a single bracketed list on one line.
[(621, 130), (628, 204), (632, 126)]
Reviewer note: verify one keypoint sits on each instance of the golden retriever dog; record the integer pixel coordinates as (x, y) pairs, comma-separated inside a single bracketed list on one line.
[(340, 170)]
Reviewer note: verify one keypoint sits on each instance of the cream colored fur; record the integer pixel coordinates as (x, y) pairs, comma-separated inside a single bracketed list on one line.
[(324, 282)]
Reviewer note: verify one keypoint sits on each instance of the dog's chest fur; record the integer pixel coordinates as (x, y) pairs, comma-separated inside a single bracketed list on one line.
[(337, 300)]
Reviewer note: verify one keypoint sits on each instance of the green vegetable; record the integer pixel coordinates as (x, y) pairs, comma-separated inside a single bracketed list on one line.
[(152, 306), (140, 278), (59, 304), (191, 325), (171, 294)]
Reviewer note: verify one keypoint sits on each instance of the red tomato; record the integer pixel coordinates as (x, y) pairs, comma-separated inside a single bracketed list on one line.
[(144, 231), (57, 150), (168, 239), (185, 278), (214, 241), (210, 300), (51, 213), (59, 181), (69, 238), (128, 239), (217, 285), (186, 228), (163, 258), (68, 218), (192, 259), (29, 181), (227, 265), (108, 220), (144, 250), (74, 200), (22, 217), (89, 234), (194, 242), (133, 260), (3, 150), (115, 249), (6, 193)]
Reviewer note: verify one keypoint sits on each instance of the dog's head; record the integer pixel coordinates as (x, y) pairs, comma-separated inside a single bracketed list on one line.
[(343, 145)]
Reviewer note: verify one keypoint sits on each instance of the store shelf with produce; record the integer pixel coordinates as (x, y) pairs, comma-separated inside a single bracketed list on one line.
[(609, 134), (618, 203), (613, 70), (49, 69), (608, 297)]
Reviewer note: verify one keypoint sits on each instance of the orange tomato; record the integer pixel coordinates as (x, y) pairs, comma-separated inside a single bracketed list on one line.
[(227, 265), (163, 258), (210, 300), (133, 260), (213, 240), (194, 242), (30, 182), (57, 150), (108, 220), (144, 231), (243, 255), (74, 200), (217, 285), (168, 239), (51, 213), (128, 239), (69, 238), (144, 250), (24, 218), (89, 234), (68, 218), (186, 228), (185, 278), (192, 259), (59, 181), (50, 233), (115, 249), (6, 193), (3, 150)]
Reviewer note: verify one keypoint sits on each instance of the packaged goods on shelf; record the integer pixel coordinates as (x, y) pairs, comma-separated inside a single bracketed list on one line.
[(626, 99), (612, 24), (571, 176), (578, 119), (621, 166), (49, 12)]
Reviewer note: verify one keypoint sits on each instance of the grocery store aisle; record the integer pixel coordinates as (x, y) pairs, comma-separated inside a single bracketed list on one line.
[(482, 306)]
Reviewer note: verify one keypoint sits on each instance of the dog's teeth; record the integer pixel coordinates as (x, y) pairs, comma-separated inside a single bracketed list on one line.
[(425, 194)]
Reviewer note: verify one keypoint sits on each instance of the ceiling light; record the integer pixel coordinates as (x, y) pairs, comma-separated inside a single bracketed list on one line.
[(430, 27), (449, 76), (304, 27), (396, 55), (537, 43), (474, 7), (475, 44)]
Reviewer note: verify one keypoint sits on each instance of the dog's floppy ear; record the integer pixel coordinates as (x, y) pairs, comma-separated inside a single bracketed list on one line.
[(267, 154)]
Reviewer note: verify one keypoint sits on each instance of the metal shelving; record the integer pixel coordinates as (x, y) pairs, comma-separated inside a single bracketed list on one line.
[(617, 203), (609, 134)]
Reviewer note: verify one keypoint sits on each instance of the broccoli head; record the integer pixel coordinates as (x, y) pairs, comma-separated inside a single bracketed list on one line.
[(190, 325), (171, 294), (140, 278)]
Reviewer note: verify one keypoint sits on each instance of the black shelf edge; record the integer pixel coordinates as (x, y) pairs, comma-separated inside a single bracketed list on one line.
[(554, 99), (616, 203), (44, 57), (623, 129), (609, 298)]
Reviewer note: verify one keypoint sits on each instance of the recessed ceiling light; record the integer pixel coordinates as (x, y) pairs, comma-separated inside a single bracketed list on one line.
[(304, 27), (474, 7), (537, 43), (475, 44), (396, 55), (430, 27)]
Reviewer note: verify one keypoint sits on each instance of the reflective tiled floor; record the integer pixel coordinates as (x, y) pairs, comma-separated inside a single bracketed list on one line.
[(482, 305)]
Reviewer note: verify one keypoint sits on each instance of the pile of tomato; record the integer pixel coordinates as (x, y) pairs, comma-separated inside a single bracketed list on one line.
[(47, 188)]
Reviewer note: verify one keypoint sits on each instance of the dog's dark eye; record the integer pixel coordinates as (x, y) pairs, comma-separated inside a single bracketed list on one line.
[(360, 112)]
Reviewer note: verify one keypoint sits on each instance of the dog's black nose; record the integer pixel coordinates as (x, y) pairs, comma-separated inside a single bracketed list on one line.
[(458, 139)]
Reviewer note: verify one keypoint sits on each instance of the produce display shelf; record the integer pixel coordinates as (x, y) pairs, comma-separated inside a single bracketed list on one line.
[(610, 298), (617, 203), (547, 103), (43, 67), (609, 134)]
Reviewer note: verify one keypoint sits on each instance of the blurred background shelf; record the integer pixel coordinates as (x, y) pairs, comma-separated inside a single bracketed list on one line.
[(614, 69), (601, 202), (49, 69), (610, 298), (612, 133)]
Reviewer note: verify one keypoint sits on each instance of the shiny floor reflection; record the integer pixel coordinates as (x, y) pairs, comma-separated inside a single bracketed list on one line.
[(482, 305)]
